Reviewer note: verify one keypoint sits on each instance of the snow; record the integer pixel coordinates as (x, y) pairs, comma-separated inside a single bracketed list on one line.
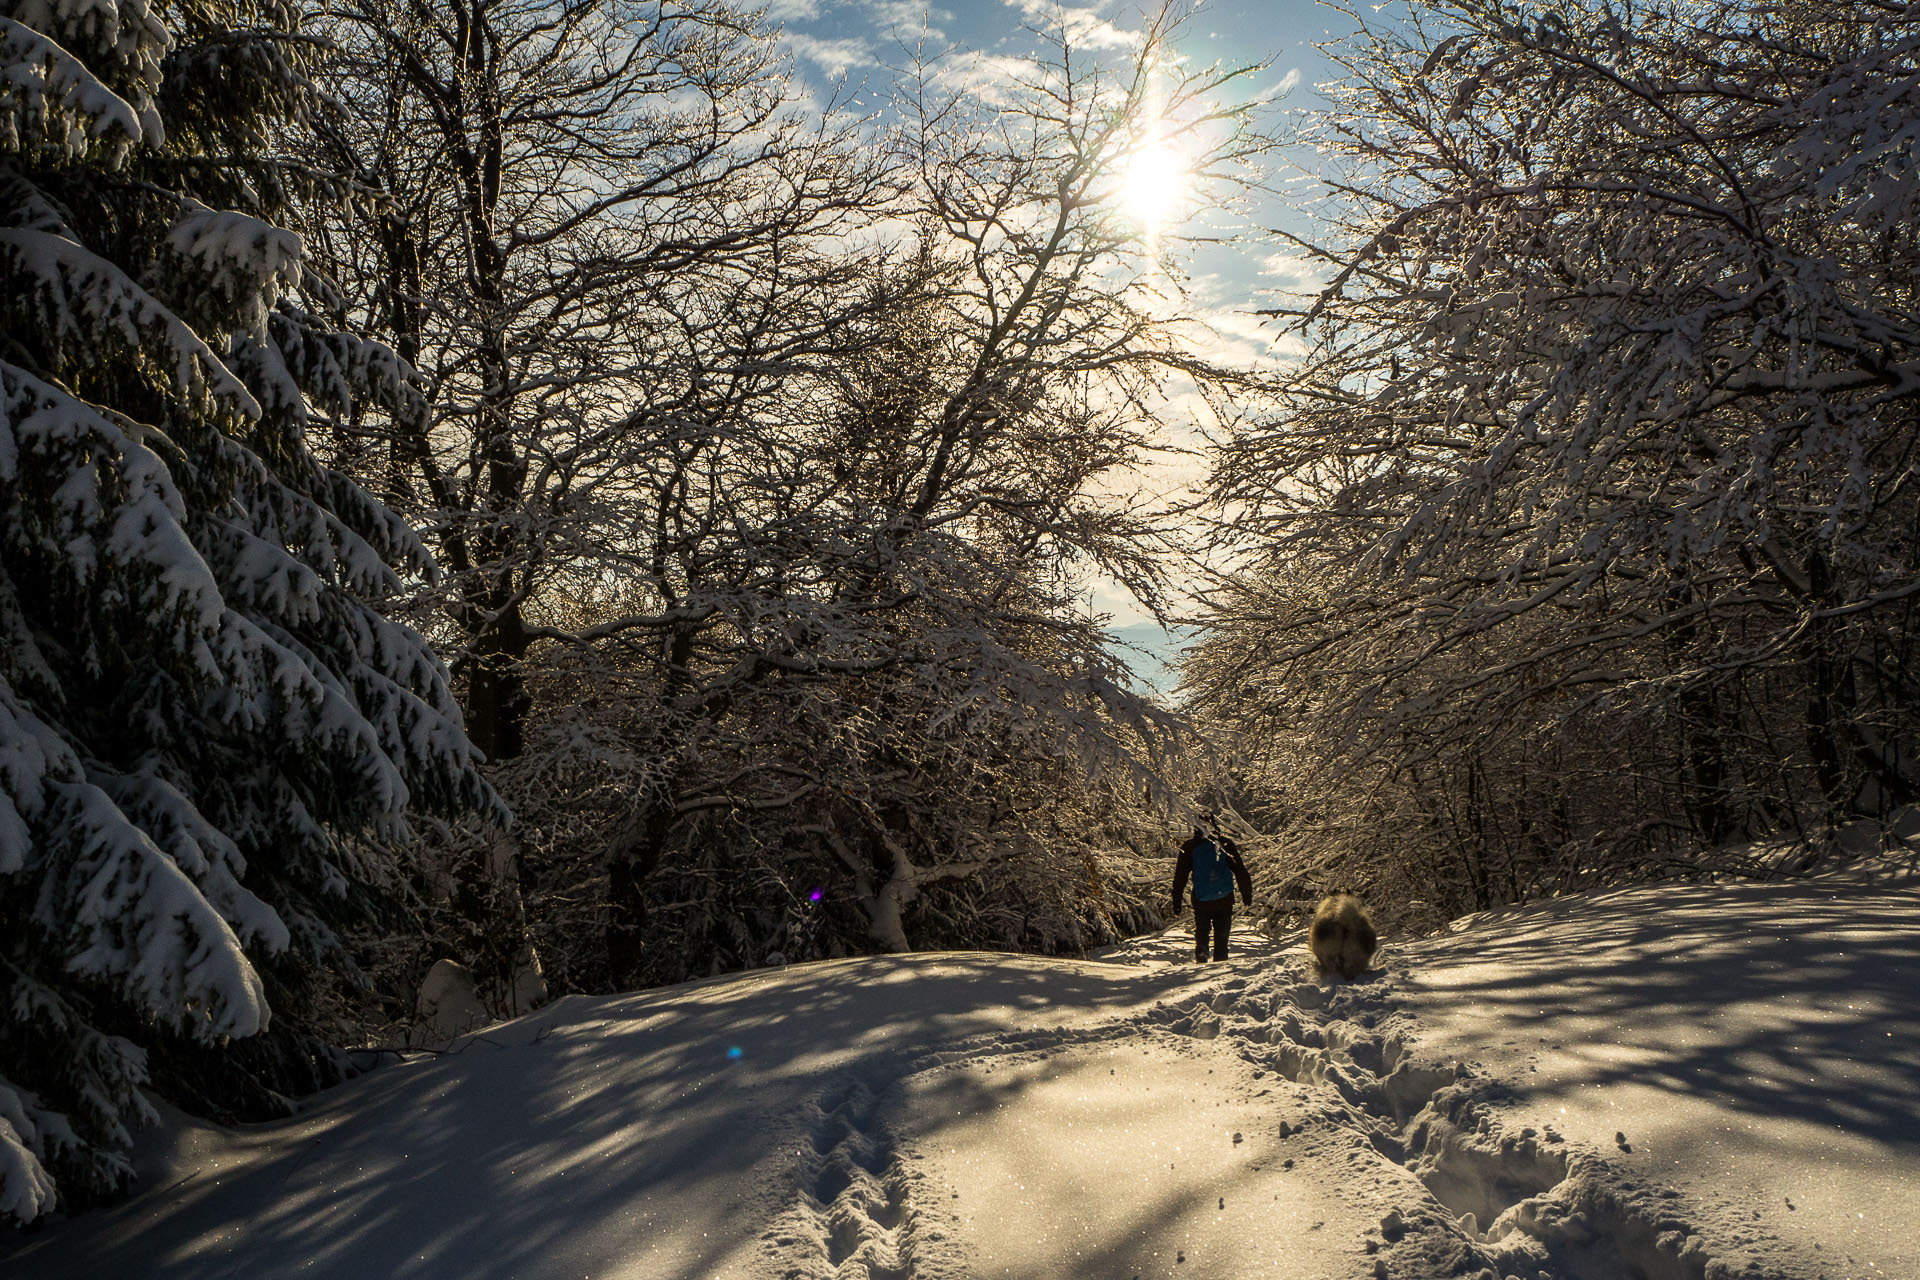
[(1707, 1080), (205, 853), (111, 477), (238, 254), (1121, 1158), (88, 302), (139, 918), (1746, 1038), (25, 1188), (31, 753), (47, 92)]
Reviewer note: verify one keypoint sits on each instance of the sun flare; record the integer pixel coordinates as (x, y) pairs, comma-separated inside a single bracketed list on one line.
[(1156, 178)]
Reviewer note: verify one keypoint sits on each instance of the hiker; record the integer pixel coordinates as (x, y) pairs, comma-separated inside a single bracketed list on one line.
[(1214, 863)]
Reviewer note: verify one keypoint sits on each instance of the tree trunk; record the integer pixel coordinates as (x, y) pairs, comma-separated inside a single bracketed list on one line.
[(636, 853), (1829, 690), (497, 698), (1705, 785)]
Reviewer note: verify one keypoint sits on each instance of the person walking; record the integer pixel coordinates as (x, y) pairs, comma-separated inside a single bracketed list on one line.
[(1214, 863)]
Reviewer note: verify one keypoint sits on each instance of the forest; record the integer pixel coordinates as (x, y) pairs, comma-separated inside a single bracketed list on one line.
[(542, 485)]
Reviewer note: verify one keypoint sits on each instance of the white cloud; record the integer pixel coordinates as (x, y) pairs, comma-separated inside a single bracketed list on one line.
[(1294, 272), (1109, 597), (1285, 85), (834, 57), (1251, 339), (1082, 25), (899, 20), (907, 21), (994, 79)]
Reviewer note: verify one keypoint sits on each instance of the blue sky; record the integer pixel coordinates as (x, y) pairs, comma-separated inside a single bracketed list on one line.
[(863, 36), (864, 40)]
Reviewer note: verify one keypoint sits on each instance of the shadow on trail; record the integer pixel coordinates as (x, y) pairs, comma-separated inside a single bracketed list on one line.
[(1779, 1000), (578, 1140)]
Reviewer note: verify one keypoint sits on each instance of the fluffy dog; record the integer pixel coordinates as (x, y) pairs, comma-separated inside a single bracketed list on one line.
[(1341, 936)]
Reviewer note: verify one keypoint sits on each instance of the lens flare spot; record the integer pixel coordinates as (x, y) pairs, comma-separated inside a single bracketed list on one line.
[(816, 895), (733, 1052)]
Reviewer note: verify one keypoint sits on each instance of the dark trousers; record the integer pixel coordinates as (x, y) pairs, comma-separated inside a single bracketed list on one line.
[(1214, 916)]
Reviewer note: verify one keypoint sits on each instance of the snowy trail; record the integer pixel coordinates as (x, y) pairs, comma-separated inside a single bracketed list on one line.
[(1751, 1045), (1677, 1083), (665, 1134), (1130, 1160)]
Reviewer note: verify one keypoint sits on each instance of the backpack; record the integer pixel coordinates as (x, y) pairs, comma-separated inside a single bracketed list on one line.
[(1212, 874)]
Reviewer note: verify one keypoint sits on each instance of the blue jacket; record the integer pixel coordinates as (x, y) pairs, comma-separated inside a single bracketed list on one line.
[(1215, 867)]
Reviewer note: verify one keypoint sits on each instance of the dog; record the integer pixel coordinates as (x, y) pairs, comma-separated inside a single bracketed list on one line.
[(1341, 936)]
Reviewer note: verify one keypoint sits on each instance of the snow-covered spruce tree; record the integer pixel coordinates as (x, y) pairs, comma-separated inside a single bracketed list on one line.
[(207, 733), (1588, 538)]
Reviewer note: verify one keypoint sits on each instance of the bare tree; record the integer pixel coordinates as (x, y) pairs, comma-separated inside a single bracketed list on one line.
[(852, 647), (771, 449), (590, 226), (598, 231), (1587, 538)]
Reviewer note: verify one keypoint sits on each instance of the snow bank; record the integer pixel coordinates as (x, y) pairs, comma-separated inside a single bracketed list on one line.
[(1698, 1082)]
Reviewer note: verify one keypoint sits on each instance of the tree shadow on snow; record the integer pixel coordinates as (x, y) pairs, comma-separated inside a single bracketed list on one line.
[(577, 1140), (1793, 999)]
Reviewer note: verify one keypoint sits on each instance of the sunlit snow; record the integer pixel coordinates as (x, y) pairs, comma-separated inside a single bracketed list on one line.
[(1677, 1080)]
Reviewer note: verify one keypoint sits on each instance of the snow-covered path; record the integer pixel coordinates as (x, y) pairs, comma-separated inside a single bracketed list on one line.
[(711, 1129), (1678, 1083), (1122, 1159), (1756, 1045)]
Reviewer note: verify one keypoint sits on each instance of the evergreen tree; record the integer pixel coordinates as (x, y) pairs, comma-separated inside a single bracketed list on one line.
[(209, 737)]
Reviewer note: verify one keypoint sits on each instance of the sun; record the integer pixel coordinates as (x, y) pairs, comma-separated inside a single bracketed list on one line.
[(1156, 178)]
